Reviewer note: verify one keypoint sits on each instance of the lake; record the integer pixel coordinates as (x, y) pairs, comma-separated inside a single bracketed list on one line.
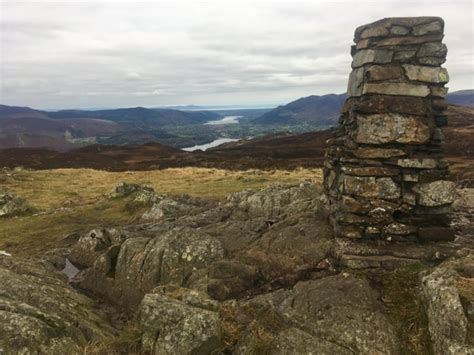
[(212, 144), (225, 120)]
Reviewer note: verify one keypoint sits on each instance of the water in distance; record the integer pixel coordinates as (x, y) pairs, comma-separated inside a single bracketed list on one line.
[(212, 144), (225, 120)]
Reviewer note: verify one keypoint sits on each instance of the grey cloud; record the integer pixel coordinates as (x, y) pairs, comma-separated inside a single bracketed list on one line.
[(74, 54)]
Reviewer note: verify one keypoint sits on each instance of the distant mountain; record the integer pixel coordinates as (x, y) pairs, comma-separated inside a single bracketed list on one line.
[(8, 112), (284, 151), (27, 127), (461, 97), (140, 117), (324, 110), (316, 110)]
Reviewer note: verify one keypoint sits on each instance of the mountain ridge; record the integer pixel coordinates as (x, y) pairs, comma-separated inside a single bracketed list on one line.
[(325, 109)]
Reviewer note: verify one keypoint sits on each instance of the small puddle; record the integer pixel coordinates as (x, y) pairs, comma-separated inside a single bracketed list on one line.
[(70, 270)]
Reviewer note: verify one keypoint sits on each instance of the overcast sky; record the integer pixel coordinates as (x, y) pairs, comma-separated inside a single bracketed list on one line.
[(78, 54)]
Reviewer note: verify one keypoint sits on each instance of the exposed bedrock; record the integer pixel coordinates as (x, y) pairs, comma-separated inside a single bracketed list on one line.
[(41, 314), (254, 240), (447, 292), (260, 272)]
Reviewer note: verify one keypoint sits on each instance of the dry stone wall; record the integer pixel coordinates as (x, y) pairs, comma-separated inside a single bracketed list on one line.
[(385, 177)]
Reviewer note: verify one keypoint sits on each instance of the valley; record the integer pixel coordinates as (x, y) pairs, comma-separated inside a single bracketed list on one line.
[(64, 130), (288, 149)]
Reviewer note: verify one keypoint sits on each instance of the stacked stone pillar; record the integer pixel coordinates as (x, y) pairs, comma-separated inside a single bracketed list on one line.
[(385, 178)]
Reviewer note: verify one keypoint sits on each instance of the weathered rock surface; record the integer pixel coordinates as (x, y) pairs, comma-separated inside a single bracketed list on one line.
[(165, 207), (389, 128), (12, 205), (371, 187), (369, 153), (267, 238), (427, 74), (179, 321), (356, 79), (335, 315), (448, 294), (436, 193), (260, 272), (378, 56), (383, 72), (161, 255), (140, 192), (418, 23), (40, 313), (396, 89)]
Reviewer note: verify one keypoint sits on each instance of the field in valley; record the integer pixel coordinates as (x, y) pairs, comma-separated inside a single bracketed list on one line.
[(74, 200)]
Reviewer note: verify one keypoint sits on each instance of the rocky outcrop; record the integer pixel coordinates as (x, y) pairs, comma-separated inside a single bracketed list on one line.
[(140, 192), (126, 269), (179, 321), (335, 315), (385, 178), (260, 273), (165, 207), (12, 205), (448, 295), (254, 240), (40, 313)]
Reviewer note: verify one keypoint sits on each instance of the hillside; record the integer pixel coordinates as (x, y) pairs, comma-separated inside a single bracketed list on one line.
[(68, 129), (324, 110), (283, 150), (317, 110), (9, 112), (462, 97), (34, 141), (140, 117)]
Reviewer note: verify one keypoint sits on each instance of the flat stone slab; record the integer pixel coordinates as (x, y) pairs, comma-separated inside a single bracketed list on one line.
[(371, 187), (426, 73), (389, 128), (401, 26), (396, 89), (370, 153), (423, 163), (376, 56)]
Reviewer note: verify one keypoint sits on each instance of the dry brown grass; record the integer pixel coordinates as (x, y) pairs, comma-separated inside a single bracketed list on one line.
[(46, 189), (71, 200), (462, 171), (400, 295), (126, 342)]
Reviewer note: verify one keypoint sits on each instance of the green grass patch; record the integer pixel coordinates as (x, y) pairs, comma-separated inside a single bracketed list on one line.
[(35, 234)]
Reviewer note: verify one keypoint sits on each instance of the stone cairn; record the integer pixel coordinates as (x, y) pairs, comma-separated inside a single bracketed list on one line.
[(384, 175)]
